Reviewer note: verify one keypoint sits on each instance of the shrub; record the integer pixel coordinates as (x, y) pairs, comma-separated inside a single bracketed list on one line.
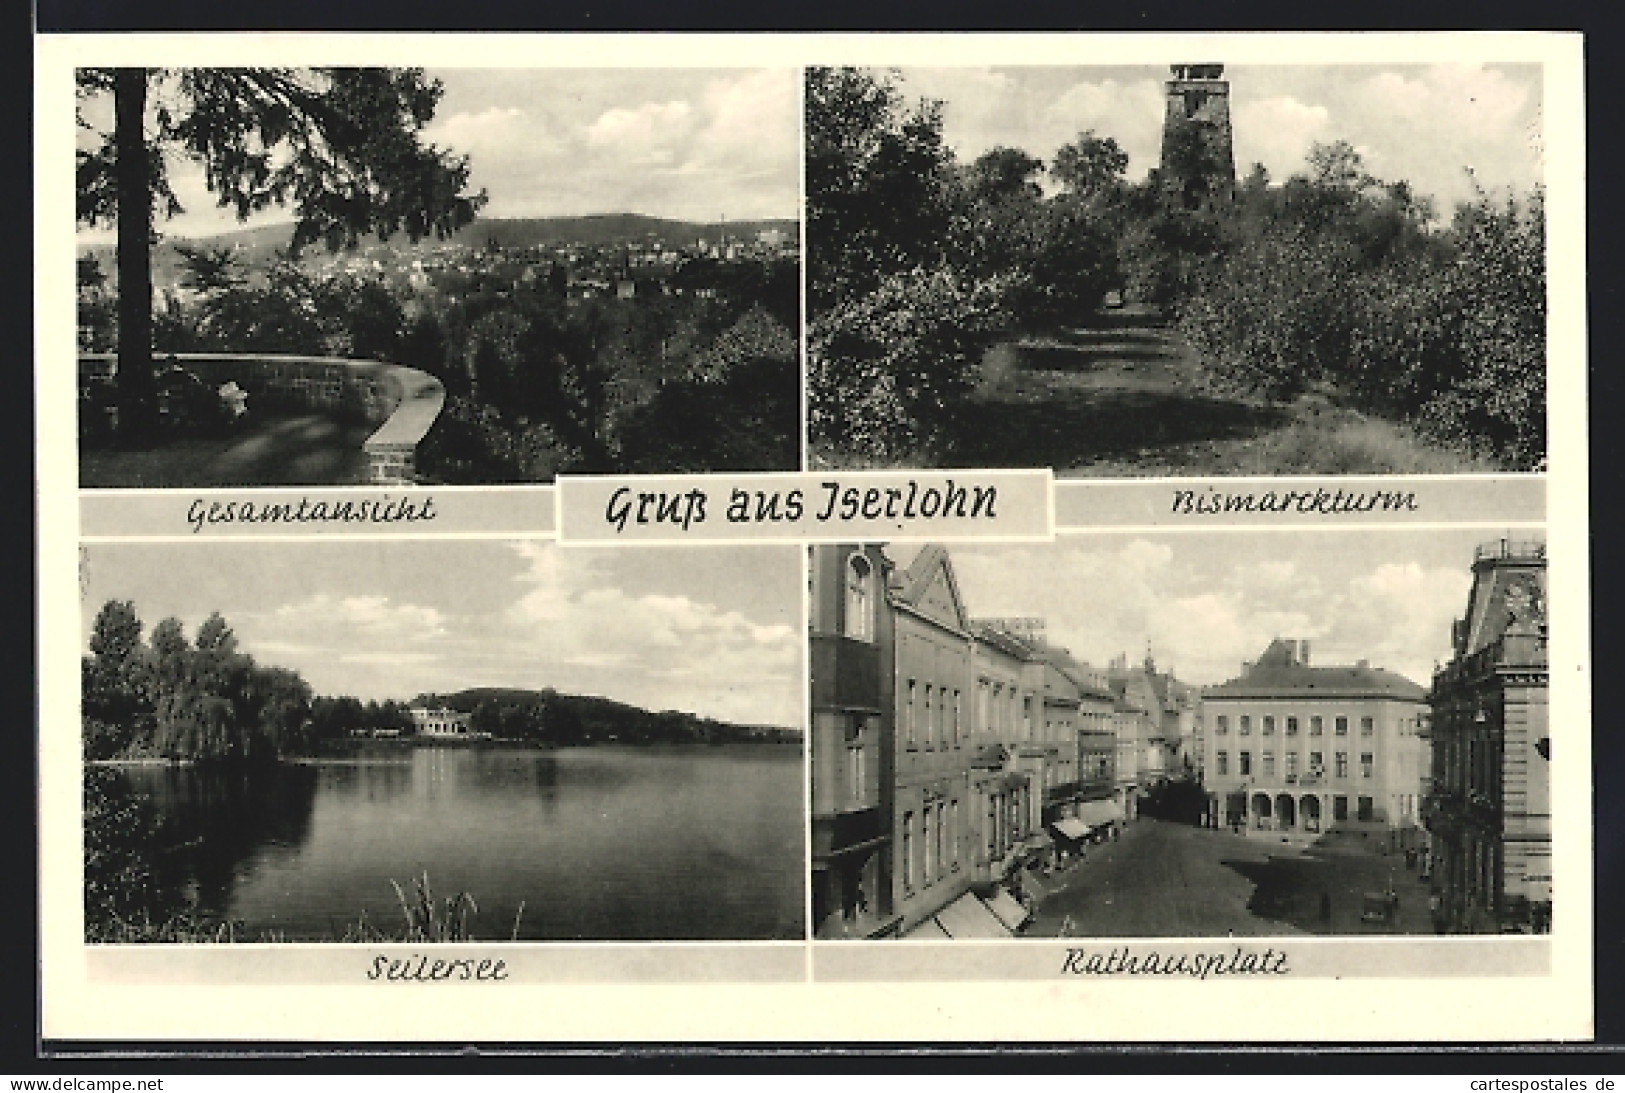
[(1450, 337), (886, 371)]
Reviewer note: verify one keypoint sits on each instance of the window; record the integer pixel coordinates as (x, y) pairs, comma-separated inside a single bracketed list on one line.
[(1221, 725), (1246, 725), (1269, 725), (1317, 725), (856, 773), (1366, 764), (1365, 811), (860, 610), (942, 838), (1342, 759), (1342, 726), (1340, 808), (1222, 762), (908, 850), (1291, 764), (908, 716), (1367, 726), (1292, 726), (930, 733), (1027, 718), (930, 872), (953, 833), (1317, 762), (1269, 764), (1244, 764), (956, 719)]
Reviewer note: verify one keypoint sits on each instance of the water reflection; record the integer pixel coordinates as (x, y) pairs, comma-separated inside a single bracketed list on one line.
[(596, 843)]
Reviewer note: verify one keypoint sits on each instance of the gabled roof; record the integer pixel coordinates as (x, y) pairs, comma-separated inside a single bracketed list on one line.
[(929, 588)]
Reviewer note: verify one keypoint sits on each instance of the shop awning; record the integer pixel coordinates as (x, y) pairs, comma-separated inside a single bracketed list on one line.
[(1071, 827), (1096, 813), (1009, 912), (968, 917), (929, 930)]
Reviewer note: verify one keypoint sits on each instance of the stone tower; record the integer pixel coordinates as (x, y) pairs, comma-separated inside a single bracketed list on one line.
[(1198, 162)]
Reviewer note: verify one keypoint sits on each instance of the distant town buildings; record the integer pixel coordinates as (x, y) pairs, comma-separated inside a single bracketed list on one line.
[(1300, 748), (1489, 807), (623, 269)]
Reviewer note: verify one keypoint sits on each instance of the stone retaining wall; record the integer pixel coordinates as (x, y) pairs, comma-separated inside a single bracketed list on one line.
[(401, 402)]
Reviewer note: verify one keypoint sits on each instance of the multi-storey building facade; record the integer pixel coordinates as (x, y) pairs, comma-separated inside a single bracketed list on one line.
[(1489, 805), (853, 766), (1295, 747), (933, 830), (945, 751)]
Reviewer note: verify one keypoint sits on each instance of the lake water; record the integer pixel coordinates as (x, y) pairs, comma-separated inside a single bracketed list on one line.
[(600, 843)]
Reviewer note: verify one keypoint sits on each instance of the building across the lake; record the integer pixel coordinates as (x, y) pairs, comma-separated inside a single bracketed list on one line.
[(1489, 806), (443, 723), (1301, 748)]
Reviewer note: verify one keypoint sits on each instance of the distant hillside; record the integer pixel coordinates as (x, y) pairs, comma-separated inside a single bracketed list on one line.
[(509, 233), (552, 717)]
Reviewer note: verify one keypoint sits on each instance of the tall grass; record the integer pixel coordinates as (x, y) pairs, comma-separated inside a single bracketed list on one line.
[(427, 920), (424, 919)]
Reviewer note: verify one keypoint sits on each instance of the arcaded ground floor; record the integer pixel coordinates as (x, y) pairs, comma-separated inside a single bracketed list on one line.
[(1168, 879)]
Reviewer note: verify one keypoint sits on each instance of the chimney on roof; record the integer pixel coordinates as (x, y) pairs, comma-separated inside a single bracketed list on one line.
[(1363, 665), (1303, 652)]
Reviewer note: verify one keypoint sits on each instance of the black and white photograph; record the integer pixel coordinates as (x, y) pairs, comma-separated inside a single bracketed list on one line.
[(446, 276), (441, 742), (1197, 268), (1192, 736), (503, 580)]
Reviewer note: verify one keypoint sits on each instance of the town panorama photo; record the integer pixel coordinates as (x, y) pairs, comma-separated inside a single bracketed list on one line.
[(453, 276)]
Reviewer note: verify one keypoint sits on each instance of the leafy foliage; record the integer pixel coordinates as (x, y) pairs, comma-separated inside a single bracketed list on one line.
[(878, 183), (203, 700), (123, 881), (342, 146), (1337, 283), (885, 370), (917, 265)]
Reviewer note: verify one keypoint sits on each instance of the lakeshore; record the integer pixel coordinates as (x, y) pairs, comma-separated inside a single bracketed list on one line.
[(607, 842)]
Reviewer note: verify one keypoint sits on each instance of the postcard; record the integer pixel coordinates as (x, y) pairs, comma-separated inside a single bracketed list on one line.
[(1046, 537)]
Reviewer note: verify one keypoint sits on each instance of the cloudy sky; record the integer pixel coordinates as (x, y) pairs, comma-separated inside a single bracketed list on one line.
[(715, 631), (1208, 601), (1421, 123), (690, 144)]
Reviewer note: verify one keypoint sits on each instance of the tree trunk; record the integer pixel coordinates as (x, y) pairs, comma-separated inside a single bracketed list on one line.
[(137, 401)]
